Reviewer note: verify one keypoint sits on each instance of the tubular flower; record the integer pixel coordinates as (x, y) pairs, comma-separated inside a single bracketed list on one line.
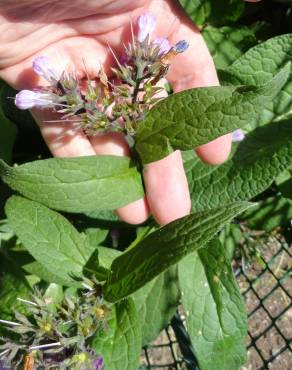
[(238, 135), (181, 46), (42, 66), (163, 44), (27, 99), (146, 25)]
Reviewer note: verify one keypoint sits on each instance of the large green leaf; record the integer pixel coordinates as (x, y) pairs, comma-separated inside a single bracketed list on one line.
[(119, 342), (13, 284), (215, 312), (258, 160), (214, 12), (77, 184), (49, 237), (269, 213), (257, 66), (165, 247), (226, 44), (156, 303), (194, 117)]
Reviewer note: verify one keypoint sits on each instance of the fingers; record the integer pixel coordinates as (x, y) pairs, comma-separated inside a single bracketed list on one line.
[(63, 139), (216, 151), (167, 188)]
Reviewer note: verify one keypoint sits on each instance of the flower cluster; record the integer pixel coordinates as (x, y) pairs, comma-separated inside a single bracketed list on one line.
[(118, 103), (56, 335)]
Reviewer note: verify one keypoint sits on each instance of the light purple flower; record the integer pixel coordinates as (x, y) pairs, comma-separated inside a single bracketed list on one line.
[(97, 364), (27, 99), (146, 25), (238, 135), (163, 44), (42, 66), (181, 46)]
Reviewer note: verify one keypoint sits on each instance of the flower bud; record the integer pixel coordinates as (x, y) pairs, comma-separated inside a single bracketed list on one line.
[(163, 44), (42, 66), (97, 364), (238, 135), (27, 99), (181, 46), (146, 25)]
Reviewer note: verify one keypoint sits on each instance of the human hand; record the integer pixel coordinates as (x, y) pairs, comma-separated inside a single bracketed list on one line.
[(82, 31)]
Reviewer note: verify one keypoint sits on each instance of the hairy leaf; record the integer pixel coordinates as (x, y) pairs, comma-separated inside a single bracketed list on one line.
[(49, 237), (13, 284), (156, 303), (165, 247), (257, 66), (215, 312), (119, 342), (214, 12), (262, 156), (76, 184), (194, 117), (227, 44), (270, 213)]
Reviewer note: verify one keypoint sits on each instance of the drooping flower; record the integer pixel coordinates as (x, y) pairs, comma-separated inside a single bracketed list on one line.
[(4, 365), (181, 46), (43, 67), (238, 135), (97, 364), (163, 44), (146, 25), (27, 99)]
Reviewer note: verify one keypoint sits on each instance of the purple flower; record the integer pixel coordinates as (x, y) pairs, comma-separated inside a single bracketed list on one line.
[(97, 364), (42, 66), (27, 99), (163, 44), (238, 135), (181, 46), (4, 365), (146, 25)]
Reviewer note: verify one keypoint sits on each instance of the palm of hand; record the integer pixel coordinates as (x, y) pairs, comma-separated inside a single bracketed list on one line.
[(82, 32)]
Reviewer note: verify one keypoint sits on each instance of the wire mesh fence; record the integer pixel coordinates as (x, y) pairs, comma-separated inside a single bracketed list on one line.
[(267, 289)]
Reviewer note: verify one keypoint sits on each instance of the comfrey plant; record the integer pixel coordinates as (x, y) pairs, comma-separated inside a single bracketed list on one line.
[(55, 331), (89, 291), (118, 103)]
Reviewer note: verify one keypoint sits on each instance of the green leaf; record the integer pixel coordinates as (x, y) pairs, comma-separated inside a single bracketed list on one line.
[(226, 44), (214, 12), (37, 269), (215, 312), (49, 237), (119, 343), (269, 213), (54, 293), (257, 66), (230, 237), (13, 284), (194, 117), (76, 184), (257, 161), (284, 183), (156, 303), (165, 247)]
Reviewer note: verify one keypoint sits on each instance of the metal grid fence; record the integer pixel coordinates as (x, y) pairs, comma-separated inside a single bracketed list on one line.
[(267, 290)]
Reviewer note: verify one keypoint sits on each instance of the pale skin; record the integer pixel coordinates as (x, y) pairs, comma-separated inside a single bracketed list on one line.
[(71, 32)]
